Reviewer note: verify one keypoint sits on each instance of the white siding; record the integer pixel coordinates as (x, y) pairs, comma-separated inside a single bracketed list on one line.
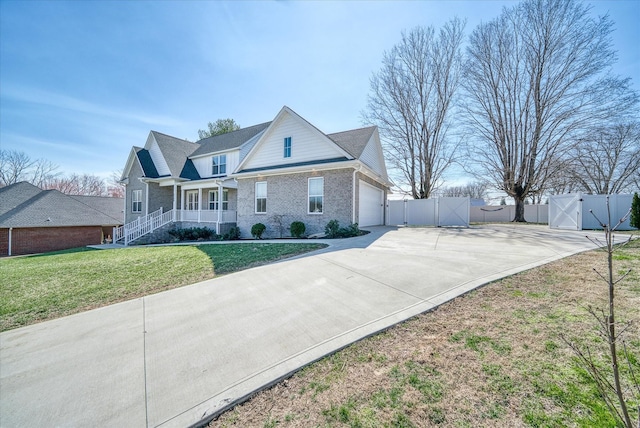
[(246, 147), (203, 164), (307, 144), (158, 159), (372, 157)]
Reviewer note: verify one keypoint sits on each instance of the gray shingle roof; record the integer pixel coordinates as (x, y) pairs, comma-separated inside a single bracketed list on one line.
[(353, 141), (174, 150), (113, 207), (230, 140), (16, 194), (48, 208)]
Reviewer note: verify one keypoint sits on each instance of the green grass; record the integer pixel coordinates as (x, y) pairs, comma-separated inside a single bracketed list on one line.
[(42, 287)]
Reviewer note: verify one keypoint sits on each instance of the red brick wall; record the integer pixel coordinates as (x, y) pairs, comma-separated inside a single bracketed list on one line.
[(44, 239)]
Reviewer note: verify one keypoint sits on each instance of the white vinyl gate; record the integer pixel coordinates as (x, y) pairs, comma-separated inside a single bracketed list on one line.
[(576, 211), (565, 212), (429, 212), (453, 211)]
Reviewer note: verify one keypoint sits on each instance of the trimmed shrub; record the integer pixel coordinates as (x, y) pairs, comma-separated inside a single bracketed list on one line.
[(257, 230), (333, 230), (194, 234), (233, 234), (297, 229), (635, 211)]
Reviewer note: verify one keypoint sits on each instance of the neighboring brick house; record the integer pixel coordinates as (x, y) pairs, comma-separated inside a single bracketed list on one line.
[(273, 173), (33, 220)]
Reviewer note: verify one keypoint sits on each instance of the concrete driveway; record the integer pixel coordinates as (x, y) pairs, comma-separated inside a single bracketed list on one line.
[(175, 358)]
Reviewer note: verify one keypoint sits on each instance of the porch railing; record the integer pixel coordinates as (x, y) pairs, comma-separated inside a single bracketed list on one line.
[(142, 226), (206, 216), (147, 224)]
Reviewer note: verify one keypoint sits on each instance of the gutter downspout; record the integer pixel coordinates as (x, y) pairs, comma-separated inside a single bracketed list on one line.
[(10, 234), (353, 194)]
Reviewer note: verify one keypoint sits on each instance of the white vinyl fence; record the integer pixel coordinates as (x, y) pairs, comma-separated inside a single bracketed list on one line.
[(429, 212), (506, 213), (572, 211)]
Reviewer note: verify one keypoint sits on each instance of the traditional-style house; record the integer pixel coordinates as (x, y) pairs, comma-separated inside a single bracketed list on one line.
[(273, 173)]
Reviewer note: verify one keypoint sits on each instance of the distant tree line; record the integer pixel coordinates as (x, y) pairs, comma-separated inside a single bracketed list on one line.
[(17, 166), (530, 107)]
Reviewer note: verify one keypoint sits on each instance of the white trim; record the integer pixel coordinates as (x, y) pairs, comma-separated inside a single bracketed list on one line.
[(309, 195), (10, 239), (135, 200), (255, 198)]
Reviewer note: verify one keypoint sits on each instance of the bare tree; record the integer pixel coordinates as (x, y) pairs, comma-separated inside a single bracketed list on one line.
[(115, 188), (411, 99), (475, 190), (76, 184), (608, 159), (535, 79), (617, 396), (16, 166)]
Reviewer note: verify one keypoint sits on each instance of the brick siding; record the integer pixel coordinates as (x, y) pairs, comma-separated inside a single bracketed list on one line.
[(287, 196), (44, 239)]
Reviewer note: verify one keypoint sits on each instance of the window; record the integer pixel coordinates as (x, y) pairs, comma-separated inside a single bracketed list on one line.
[(214, 200), (192, 200), (219, 165), (136, 201), (261, 197), (287, 147), (316, 195)]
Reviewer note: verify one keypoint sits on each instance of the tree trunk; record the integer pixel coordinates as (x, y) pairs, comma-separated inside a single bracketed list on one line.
[(519, 217)]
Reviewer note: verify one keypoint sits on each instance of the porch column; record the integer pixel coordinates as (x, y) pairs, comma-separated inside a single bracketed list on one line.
[(175, 200), (199, 202), (146, 202), (219, 208), (181, 202)]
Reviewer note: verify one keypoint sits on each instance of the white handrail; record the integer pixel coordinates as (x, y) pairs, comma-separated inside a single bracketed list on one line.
[(142, 226), (147, 224)]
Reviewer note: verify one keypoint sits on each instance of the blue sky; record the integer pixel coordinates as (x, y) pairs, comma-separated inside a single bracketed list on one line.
[(82, 82)]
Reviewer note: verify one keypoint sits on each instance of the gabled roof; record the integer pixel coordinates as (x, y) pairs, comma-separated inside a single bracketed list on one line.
[(228, 141), (245, 162), (353, 141), (148, 167), (16, 194), (174, 150), (50, 208)]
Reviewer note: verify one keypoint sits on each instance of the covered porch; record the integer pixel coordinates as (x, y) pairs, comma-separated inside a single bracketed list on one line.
[(208, 201)]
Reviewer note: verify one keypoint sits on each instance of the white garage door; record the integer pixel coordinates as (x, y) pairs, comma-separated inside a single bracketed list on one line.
[(371, 209)]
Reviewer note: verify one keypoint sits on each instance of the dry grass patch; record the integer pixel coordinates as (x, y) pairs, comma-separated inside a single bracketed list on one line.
[(490, 358)]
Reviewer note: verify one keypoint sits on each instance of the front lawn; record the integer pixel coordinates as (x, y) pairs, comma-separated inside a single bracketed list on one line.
[(42, 287)]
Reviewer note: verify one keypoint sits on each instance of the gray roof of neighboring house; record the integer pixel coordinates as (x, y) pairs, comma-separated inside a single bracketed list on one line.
[(174, 150), (353, 141), (113, 207), (148, 167), (16, 194), (47, 208), (230, 140)]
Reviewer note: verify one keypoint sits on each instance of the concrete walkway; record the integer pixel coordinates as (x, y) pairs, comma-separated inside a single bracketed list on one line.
[(175, 358)]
